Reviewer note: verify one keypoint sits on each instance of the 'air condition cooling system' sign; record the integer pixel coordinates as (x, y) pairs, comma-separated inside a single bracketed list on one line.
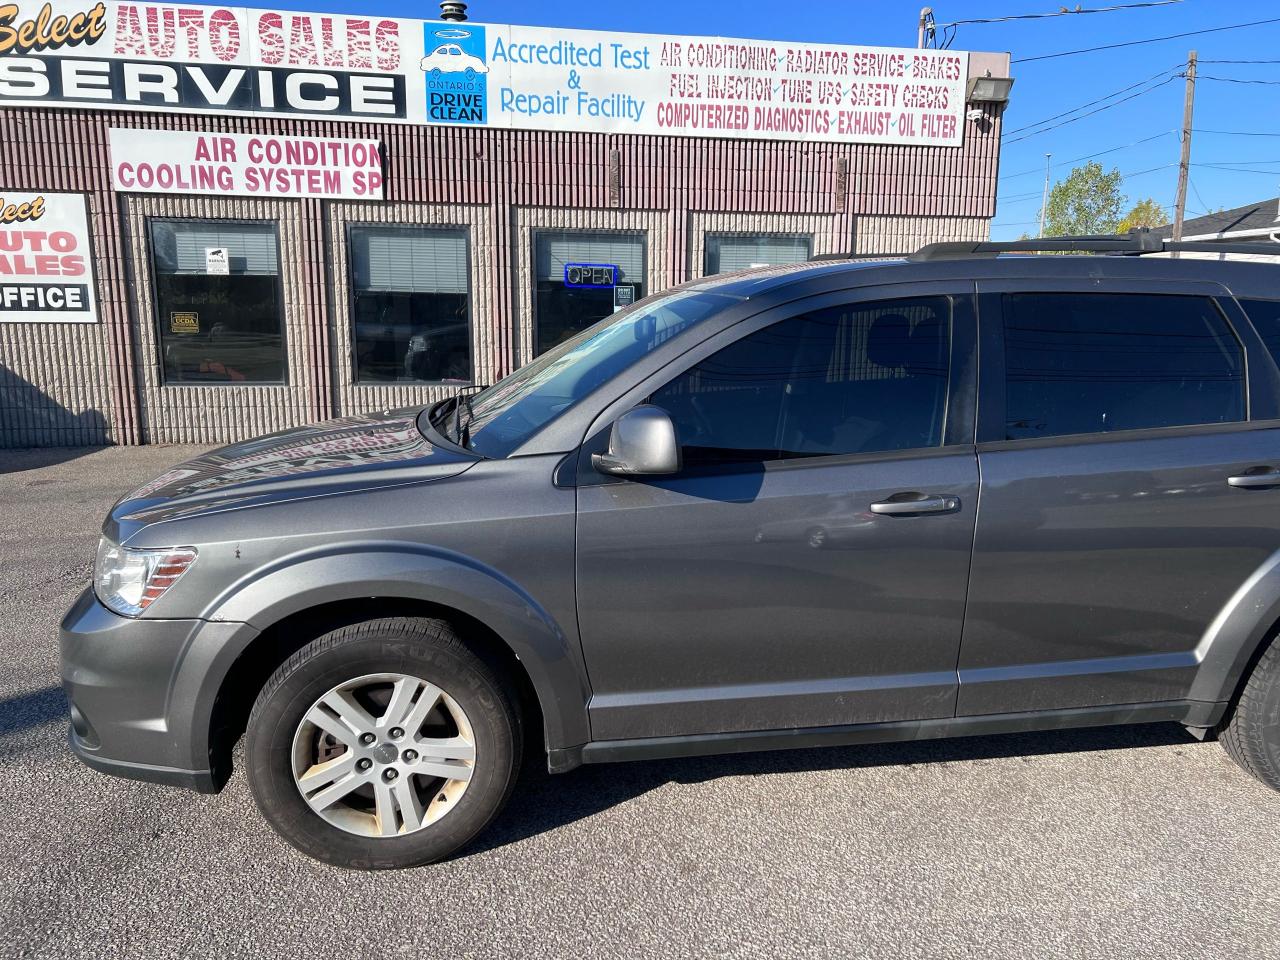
[(243, 164)]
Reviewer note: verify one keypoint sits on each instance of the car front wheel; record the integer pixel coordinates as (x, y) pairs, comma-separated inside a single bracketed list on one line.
[(382, 744)]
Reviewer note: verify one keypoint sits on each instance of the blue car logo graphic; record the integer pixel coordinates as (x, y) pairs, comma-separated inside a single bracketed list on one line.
[(456, 81)]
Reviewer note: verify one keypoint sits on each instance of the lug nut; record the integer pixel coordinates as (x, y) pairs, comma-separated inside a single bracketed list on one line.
[(367, 738), (396, 733), (410, 756), (389, 775), (364, 764)]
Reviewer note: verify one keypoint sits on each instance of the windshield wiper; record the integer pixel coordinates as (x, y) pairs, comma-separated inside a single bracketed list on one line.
[(461, 431)]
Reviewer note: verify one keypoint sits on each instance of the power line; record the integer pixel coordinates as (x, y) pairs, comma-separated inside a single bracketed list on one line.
[(1240, 61), (1134, 43), (1023, 197), (1063, 163), (1091, 103), (1064, 12), (1215, 166), (1236, 133), (1108, 106), (1270, 83), (1196, 191), (1219, 163)]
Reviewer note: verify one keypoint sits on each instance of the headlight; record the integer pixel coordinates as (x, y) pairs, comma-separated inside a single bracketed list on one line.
[(128, 581)]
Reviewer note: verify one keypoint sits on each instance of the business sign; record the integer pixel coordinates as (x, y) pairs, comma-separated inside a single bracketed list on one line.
[(185, 59), (242, 164), (236, 60), (590, 274), (46, 273), (551, 79)]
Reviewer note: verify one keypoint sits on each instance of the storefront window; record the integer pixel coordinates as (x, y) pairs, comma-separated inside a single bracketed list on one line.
[(410, 307), (727, 252), (218, 301), (583, 278)]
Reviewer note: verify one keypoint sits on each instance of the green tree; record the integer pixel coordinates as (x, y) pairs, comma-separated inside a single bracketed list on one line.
[(1144, 213), (1087, 201)]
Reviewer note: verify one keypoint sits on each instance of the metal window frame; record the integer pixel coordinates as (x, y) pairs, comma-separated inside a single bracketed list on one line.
[(157, 319), (708, 234), (537, 232), (472, 353)]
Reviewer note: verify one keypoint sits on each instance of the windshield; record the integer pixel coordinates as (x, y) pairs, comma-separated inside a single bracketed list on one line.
[(501, 417)]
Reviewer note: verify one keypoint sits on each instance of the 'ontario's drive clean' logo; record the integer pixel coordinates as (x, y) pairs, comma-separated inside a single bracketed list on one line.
[(457, 81)]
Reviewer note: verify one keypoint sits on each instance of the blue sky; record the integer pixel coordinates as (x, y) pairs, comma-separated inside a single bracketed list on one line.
[(1144, 127)]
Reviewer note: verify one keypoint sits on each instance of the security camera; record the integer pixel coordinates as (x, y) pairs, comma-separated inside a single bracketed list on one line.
[(974, 114)]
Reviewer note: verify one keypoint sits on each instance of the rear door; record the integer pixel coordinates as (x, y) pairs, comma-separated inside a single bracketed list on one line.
[(808, 567), (1114, 428)]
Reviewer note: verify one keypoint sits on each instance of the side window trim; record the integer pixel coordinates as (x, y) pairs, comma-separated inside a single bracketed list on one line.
[(1263, 368), (991, 419), (961, 390)]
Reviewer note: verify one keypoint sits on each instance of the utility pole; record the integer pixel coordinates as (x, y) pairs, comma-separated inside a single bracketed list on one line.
[(926, 17), (1184, 164), (1044, 197)]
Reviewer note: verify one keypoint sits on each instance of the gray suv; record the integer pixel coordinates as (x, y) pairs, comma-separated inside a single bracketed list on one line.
[(825, 504)]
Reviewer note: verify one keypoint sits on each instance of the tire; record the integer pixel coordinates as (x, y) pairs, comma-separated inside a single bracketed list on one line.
[(1251, 732), (395, 815)]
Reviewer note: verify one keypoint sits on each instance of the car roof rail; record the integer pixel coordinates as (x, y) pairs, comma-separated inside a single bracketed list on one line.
[(1136, 242), (820, 257)]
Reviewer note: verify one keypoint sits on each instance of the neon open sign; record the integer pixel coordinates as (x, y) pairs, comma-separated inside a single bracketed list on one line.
[(590, 274)]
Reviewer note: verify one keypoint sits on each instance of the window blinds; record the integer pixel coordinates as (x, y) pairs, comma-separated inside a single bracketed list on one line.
[(554, 250), (180, 246), (729, 252), (409, 260)]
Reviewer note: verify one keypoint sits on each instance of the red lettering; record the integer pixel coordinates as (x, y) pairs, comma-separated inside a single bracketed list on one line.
[(224, 35), (271, 38), (129, 38), (302, 43), (359, 49), (386, 38)]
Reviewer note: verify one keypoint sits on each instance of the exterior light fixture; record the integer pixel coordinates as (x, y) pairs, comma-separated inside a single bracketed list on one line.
[(988, 89)]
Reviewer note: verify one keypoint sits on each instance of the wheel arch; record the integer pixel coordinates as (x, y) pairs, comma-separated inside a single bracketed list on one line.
[(1238, 635), (294, 602)]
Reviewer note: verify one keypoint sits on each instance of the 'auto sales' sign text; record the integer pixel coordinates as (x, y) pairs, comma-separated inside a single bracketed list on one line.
[(46, 272), (192, 58)]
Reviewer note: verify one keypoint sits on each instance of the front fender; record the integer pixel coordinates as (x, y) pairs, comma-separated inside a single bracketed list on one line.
[(1240, 628), (551, 657)]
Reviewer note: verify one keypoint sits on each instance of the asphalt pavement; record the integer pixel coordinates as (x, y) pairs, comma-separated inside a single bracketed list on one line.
[(1132, 842)]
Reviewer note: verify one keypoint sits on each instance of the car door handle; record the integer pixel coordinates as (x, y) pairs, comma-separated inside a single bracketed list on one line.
[(908, 504), (1263, 478)]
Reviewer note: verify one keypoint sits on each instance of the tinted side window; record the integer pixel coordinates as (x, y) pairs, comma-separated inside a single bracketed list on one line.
[(1095, 363), (850, 379), (1265, 315)]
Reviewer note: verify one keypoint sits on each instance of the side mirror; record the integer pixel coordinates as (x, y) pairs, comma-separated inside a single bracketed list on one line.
[(641, 443)]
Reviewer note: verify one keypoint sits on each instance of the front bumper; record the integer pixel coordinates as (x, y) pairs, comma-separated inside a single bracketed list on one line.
[(142, 692)]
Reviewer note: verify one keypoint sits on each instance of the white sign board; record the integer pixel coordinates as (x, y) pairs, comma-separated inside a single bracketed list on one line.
[(217, 262), (46, 265), (550, 79), (244, 164), (193, 59)]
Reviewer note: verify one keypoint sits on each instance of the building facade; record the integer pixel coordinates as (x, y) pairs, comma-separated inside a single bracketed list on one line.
[(213, 314)]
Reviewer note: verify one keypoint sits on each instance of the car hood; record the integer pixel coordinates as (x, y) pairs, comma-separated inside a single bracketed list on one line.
[(325, 459)]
